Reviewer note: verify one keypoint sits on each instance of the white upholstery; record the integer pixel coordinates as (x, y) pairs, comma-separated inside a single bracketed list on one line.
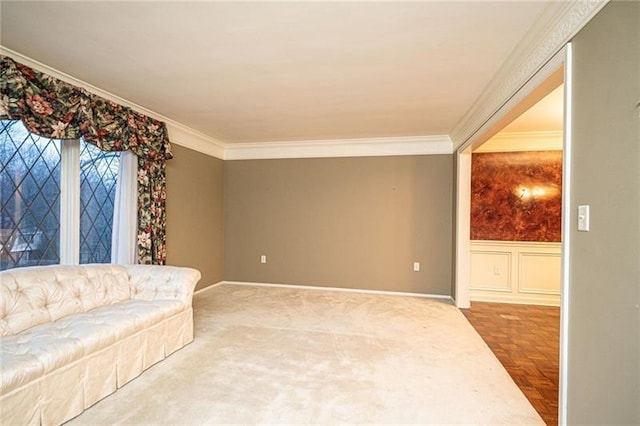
[(71, 335)]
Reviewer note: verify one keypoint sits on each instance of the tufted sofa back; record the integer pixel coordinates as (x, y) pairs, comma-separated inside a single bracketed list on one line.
[(35, 295), (149, 282)]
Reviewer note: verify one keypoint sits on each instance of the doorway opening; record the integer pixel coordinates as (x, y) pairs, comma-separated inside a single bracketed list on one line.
[(509, 239)]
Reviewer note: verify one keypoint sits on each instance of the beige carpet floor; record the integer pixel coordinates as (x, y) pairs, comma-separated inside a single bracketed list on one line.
[(273, 355)]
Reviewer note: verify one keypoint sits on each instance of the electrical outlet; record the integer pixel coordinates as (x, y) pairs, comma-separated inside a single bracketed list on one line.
[(416, 266), (263, 258), (496, 270)]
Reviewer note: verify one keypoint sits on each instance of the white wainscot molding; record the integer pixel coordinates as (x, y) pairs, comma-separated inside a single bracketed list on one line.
[(516, 272)]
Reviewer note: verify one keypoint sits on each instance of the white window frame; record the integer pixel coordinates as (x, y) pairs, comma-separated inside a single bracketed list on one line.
[(70, 202)]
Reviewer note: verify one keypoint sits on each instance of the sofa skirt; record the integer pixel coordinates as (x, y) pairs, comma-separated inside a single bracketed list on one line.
[(66, 392)]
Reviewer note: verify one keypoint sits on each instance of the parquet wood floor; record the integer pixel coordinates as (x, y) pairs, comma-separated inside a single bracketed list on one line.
[(526, 340)]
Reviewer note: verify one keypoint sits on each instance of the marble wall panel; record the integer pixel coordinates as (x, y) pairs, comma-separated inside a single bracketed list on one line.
[(516, 196)]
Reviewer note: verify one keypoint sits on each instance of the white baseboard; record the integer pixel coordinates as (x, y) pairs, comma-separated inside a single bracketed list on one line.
[(349, 290), (208, 287), (517, 300)]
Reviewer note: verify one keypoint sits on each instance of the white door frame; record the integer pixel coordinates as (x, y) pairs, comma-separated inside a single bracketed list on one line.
[(463, 204), (463, 227)]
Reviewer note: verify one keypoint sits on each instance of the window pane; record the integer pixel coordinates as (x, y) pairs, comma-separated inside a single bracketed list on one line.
[(29, 197), (98, 177)]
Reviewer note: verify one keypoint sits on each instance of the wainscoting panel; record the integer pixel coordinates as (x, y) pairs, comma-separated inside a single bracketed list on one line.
[(515, 272), (492, 270), (539, 273)]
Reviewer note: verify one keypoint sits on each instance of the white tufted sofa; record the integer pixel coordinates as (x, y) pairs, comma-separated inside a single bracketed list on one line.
[(71, 335)]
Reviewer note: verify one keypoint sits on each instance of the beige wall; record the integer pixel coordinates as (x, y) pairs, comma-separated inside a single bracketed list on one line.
[(454, 233), (194, 213), (341, 222), (604, 295)]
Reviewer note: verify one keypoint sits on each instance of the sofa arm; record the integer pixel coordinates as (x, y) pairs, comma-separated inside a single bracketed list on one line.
[(153, 282)]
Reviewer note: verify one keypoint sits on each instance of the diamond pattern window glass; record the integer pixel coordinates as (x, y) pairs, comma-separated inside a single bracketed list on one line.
[(98, 177), (32, 218), (30, 169)]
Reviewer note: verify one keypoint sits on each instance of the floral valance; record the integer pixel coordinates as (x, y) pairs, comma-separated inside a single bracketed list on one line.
[(55, 109)]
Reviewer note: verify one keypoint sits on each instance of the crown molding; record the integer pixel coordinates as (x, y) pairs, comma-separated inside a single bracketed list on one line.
[(559, 22), (361, 147), (192, 139), (178, 133), (523, 141)]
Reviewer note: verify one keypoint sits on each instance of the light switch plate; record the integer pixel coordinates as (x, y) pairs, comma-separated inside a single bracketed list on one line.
[(583, 218)]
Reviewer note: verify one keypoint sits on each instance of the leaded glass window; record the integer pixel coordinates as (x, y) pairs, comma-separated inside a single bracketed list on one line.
[(98, 178), (29, 197), (31, 216)]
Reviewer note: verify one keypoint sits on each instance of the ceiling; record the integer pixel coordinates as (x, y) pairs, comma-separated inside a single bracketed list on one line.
[(280, 71), (546, 115)]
